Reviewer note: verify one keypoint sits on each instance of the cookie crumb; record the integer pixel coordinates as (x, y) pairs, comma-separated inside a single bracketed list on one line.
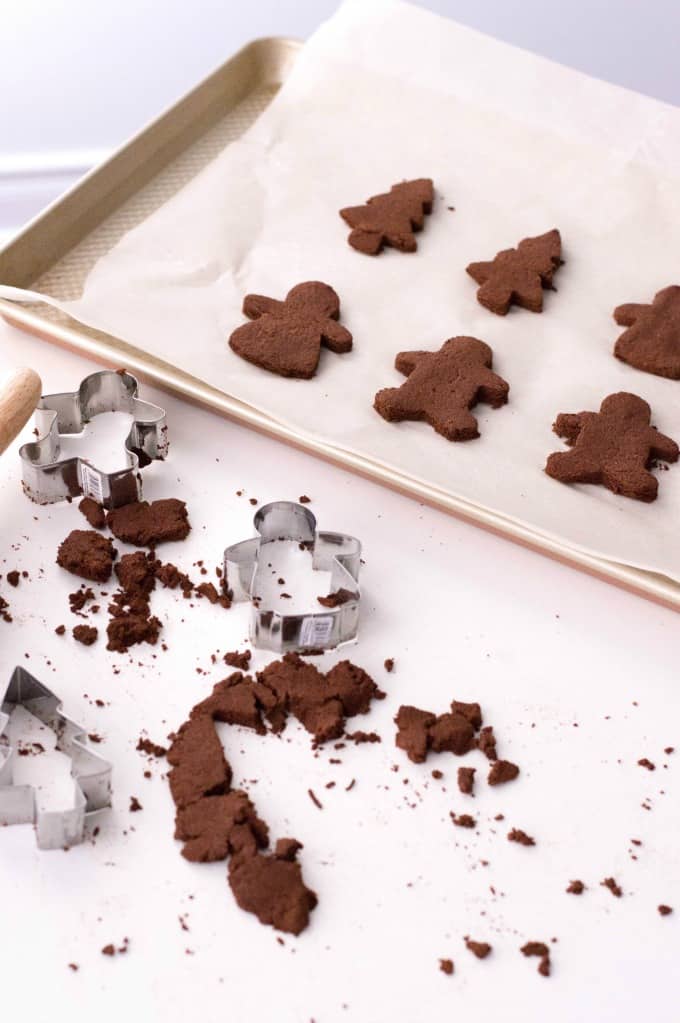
[(575, 887), (481, 949), (446, 966), (613, 887), (521, 837)]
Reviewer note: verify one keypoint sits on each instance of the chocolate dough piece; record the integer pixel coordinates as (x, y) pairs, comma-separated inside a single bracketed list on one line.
[(85, 634), (286, 337), (93, 512), (235, 659), (143, 524), (87, 554), (652, 341), (390, 218), (272, 888), (519, 275), (199, 767), (443, 386), (419, 731), (614, 447), (501, 772), (206, 826)]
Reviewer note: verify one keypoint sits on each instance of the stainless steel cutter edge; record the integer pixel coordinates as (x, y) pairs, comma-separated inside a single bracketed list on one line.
[(47, 478), (55, 829), (338, 553)]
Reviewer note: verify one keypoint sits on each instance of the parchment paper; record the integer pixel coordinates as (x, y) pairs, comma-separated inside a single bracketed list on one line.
[(517, 145)]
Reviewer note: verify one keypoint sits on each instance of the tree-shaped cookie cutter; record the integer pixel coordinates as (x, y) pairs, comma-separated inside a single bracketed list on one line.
[(335, 552), (48, 478), (55, 829)]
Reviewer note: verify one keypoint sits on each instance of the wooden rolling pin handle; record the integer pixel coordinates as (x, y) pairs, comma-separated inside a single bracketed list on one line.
[(18, 400)]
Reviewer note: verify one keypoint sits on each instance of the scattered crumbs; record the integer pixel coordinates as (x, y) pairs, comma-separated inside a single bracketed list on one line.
[(645, 762), (314, 798), (613, 887), (145, 745), (303, 499), (576, 888), (109, 950), (446, 966), (74, 967), (665, 910), (135, 805), (437, 775), (252, 500), (60, 630), (389, 664), (351, 785)]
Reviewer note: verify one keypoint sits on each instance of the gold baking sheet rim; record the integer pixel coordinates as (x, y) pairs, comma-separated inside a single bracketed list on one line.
[(257, 70)]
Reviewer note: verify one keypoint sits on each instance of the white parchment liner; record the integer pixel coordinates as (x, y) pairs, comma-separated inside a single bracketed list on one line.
[(517, 145)]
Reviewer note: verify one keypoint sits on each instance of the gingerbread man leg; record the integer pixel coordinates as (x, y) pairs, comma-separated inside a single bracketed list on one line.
[(570, 467), (629, 481)]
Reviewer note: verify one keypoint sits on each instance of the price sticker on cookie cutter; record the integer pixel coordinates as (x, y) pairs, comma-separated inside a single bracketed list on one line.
[(337, 553)]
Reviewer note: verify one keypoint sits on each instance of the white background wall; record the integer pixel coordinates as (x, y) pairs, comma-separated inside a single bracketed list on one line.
[(78, 76)]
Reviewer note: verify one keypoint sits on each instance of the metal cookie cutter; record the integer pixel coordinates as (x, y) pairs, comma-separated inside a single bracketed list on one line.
[(91, 773), (337, 552), (46, 478)]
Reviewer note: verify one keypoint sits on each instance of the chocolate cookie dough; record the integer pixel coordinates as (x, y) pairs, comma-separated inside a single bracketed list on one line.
[(145, 525), (93, 512), (87, 554), (519, 275), (390, 218), (443, 386), (420, 731), (85, 634), (214, 821), (614, 447), (286, 337), (652, 341)]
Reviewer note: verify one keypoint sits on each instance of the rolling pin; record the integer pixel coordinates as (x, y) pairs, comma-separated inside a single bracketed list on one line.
[(18, 400)]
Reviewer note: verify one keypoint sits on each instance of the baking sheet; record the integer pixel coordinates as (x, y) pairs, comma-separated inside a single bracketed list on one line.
[(383, 92)]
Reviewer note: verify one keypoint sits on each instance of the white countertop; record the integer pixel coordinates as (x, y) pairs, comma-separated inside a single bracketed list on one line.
[(579, 679)]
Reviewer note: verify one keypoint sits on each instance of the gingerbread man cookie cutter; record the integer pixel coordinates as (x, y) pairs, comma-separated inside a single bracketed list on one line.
[(55, 829), (335, 552), (48, 478)]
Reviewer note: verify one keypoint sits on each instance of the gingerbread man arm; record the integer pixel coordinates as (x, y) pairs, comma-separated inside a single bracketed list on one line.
[(335, 337), (492, 389), (626, 315), (406, 362), (662, 447), (255, 306), (569, 425)]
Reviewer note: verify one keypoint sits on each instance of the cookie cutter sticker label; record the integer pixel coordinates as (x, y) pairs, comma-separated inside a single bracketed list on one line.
[(335, 552), (55, 829), (48, 478)]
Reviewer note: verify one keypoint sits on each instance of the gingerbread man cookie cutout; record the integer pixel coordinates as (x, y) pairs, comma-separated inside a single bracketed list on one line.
[(443, 386), (286, 337), (519, 275), (652, 341), (614, 447), (390, 218)]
